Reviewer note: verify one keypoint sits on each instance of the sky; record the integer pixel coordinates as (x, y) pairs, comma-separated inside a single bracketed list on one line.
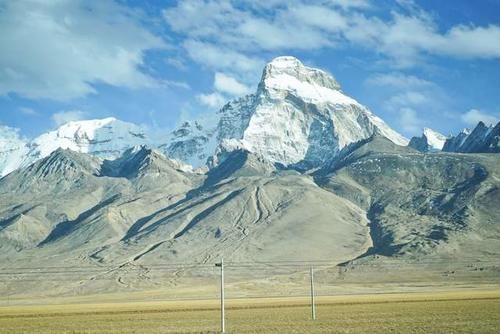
[(158, 63)]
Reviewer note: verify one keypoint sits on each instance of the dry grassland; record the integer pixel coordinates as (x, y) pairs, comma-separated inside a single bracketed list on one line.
[(450, 312)]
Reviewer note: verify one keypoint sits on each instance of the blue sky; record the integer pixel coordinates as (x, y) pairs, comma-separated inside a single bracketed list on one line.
[(414, 63)]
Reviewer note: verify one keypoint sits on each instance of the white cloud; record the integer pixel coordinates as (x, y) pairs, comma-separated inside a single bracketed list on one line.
[(213, 100), (224, 85), (474, 116), (319, 17), (471, 42), (408, 98), (216, 57), (346, 4), (398, 80), (343, 4), (406, 39), (245, 28), (227, 84), (402, 39), (406, 91), (57, 49), (63, 117), (27, 111), (176, 84), (409, 121), (232, 25), (405, 97)]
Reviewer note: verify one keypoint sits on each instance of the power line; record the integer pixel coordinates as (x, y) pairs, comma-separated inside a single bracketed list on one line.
[(291, 262)]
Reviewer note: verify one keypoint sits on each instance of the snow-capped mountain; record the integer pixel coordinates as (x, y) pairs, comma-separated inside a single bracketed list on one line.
[(430, 141), (298, 116), (483, 139), (106, 138), (435, 139)]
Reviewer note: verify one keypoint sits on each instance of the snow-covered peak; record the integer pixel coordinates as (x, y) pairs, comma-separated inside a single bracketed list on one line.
[(287, 66), (430, 141), (434, 139), (285, 62), (298, 117), (287, 75), (106, 137)]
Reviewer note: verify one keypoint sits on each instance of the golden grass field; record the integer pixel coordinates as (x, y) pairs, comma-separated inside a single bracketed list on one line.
[(450, 312)]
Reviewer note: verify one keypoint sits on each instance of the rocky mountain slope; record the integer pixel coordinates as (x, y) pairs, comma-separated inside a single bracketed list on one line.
[(140, 205), (421, 204), (483, 139)]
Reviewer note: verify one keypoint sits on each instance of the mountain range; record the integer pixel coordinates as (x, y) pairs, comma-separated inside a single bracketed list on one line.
[(296, 171), (482, 139), (298, 116)]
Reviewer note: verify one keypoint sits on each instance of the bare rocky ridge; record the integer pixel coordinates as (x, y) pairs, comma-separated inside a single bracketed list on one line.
[(482, 139)]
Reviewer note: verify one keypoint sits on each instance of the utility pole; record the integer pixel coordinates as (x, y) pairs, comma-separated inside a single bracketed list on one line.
[(222, 320), (313, 305)]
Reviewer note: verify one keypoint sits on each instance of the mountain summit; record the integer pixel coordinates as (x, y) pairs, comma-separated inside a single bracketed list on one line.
[(288, 73)]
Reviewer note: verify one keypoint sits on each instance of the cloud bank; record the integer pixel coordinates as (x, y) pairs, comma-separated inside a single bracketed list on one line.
[(58, 49)]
